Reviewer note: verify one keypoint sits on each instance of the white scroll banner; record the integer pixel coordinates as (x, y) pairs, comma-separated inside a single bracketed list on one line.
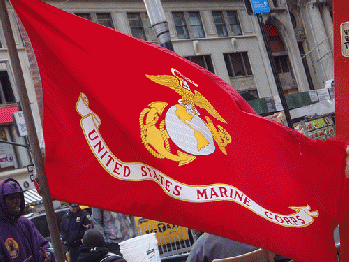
[(90, 122)]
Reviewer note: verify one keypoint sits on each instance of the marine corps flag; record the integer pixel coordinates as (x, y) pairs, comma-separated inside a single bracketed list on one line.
[(134, 128)]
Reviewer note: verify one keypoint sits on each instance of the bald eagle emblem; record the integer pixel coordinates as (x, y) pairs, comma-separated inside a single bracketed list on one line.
[(181, 123)]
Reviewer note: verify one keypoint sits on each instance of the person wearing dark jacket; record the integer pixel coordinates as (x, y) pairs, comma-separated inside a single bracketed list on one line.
[(20, 241), (73, 226), (114, 227), (94, 249)]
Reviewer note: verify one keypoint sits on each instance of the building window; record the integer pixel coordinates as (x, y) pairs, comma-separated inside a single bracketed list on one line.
[(6, 93), (234, 22), (188, 25), (136, 25), (238, 64), (141, 27), (282, 64), (196, 25), (99, 18), (181, 25), (84, 15), (218, 20), (222, 19), (7, 154), (204, 61), (105, 19)]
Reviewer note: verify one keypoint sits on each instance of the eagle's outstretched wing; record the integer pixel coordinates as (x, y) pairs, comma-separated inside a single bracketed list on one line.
[(202, 102), (169, 81)]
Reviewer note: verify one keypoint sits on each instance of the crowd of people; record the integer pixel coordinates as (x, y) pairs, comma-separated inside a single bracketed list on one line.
[(89, 238), (85, 240), (86, 244)]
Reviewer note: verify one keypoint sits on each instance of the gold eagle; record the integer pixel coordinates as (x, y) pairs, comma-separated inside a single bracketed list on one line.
[(180, 86)]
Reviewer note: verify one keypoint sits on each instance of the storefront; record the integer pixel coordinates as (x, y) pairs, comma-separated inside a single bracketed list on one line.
[(315, 121)]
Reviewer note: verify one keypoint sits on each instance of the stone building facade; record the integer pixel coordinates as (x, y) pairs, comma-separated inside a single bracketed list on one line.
[(217, 34)]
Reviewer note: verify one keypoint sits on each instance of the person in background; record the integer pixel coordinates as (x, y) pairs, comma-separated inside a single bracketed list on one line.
[(94, 249), (73, 226), (195, 234), (209, 247), (19, 239), (114, 227)]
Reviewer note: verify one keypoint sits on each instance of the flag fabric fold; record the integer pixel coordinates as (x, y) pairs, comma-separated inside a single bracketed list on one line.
[(137, 129)]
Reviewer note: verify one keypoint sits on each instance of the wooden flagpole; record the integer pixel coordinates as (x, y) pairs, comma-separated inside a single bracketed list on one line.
[(33, 139)]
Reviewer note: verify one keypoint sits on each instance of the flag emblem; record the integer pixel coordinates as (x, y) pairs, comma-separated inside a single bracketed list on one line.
[(133, 171), (183, 123)]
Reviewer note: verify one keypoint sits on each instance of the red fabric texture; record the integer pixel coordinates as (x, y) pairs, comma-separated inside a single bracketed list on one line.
[(271, 164), (341, 63)]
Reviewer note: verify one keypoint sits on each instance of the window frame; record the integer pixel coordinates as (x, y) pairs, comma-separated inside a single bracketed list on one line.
[(146, 26), (139, 28), (188, 25), (110, 19), (207, 60), (281, 62), (228, 26), (191, 26), (94, 17), (82, 14), (185, 25), (7, 94), (223, 24), (230, 67), (231, 25)]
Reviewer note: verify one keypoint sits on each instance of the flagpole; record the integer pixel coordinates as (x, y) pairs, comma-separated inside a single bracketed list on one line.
[(159, 23), (33, 139)]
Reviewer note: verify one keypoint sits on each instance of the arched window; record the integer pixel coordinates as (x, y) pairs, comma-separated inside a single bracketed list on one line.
[(281, 59)]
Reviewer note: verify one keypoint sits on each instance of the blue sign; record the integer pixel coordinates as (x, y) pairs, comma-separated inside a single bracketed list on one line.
[(260, 6)]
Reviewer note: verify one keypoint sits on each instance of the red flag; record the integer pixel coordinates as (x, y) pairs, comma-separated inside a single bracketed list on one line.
[(137, 129), (341, 61)]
